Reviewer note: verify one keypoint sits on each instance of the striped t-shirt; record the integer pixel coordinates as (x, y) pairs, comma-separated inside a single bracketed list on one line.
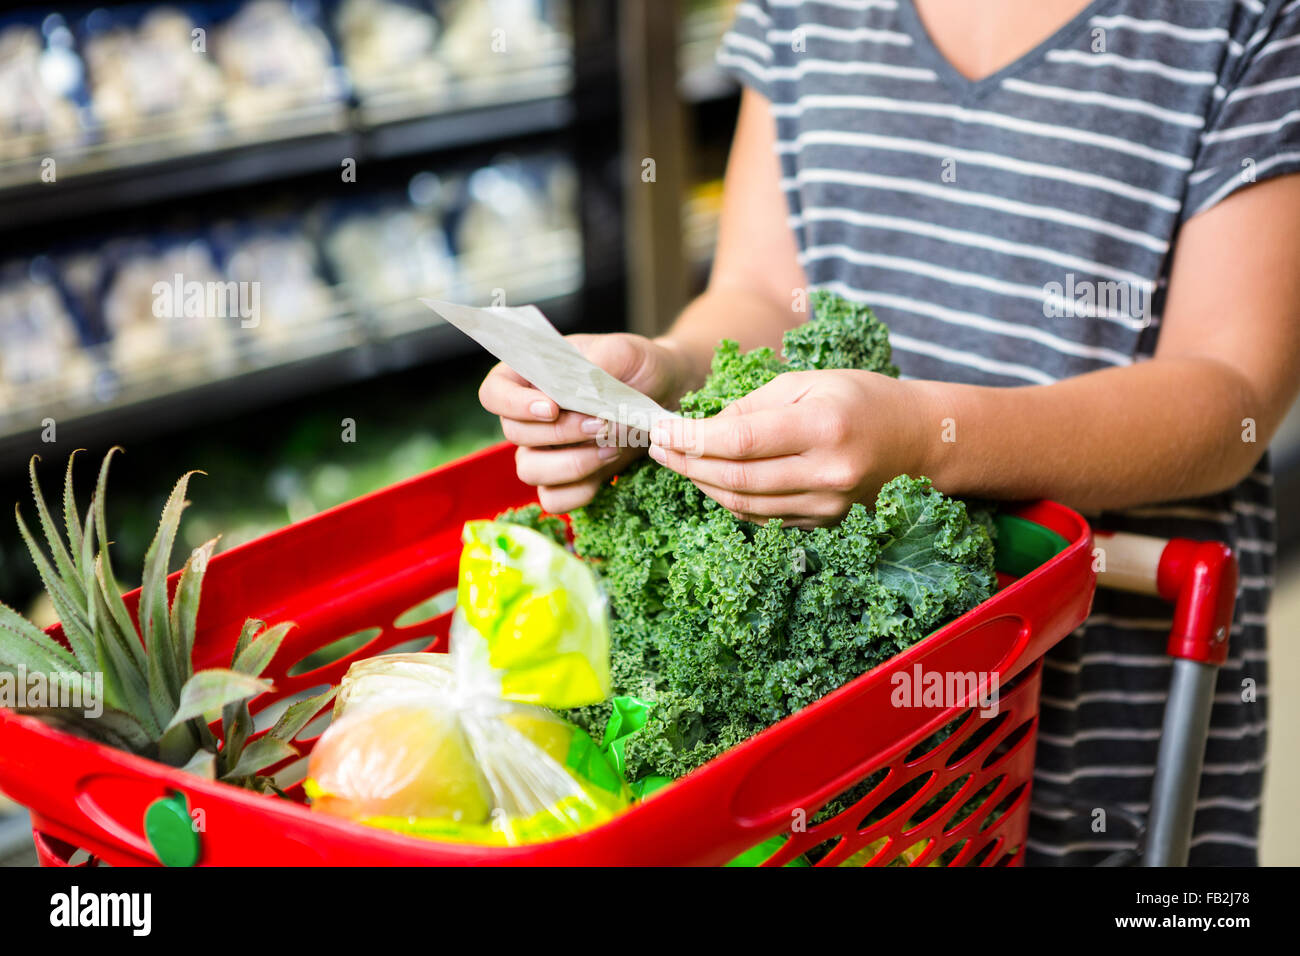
[(1017, 229)]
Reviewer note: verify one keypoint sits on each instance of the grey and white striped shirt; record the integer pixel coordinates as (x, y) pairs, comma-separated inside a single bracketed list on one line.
[(1018, 229)]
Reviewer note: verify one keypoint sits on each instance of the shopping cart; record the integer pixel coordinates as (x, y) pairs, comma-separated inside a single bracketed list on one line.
[(928, 785)]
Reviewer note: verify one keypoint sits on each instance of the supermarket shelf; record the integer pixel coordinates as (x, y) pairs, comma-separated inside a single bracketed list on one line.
[(449, 129), (158, 171), (345, 348)]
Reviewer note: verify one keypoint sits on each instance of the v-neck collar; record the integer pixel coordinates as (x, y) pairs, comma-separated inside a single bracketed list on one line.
[(967, 90)]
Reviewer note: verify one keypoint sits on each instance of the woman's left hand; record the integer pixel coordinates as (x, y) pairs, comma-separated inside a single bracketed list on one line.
[(802, 448)]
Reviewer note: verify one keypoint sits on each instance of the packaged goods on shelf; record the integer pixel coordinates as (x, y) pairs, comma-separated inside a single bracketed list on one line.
[(164, 331), (275, 60), (486, 37), (40, 341), (512, 224), (519, 216), (168, 312), (390, 254), (41, 81), (146, 78), (291, 295), (389, 47)]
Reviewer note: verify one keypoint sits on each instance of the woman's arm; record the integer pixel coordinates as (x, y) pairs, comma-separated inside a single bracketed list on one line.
[(756, 282), (1191, 421), (751, 298)]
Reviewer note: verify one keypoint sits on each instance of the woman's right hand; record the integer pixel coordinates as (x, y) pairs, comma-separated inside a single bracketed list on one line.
[(558, 450)]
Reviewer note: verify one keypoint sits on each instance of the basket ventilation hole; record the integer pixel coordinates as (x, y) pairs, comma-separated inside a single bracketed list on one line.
[(976, 801), (1008, 857), (291, 774), (413, 646), (1008, 743), (979, 858), (265, 718), (936, 802), (928, 745), (1003, 806), (334, 651), (848, 798), (1006, 687), (896, 799), (428, 609), (818, 853), (315, 726), (982, 733), (947, 856)]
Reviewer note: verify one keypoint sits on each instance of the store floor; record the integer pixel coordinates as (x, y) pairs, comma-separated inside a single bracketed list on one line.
[(1280, 840)]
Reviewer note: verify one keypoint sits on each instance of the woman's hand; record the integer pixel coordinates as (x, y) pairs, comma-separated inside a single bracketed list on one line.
[(558, 450), (802, 448)]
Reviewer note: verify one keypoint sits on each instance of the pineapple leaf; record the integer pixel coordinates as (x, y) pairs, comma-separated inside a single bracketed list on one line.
[(24, 644), (252, 627), (62, 560), (202, 764), (261, 753), (115, 693), (131, 682), (185, 607), (107, 581), (300, 714), (237, 724), (112, 727), (178, 745), (72, 615), (154, 614), (256, 657), (210, 690), (76, 537)]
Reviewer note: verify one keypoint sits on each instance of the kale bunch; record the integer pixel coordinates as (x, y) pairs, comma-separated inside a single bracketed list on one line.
[(728, 626)]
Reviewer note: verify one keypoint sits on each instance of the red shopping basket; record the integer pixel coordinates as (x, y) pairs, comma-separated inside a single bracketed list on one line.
[(945, 784)]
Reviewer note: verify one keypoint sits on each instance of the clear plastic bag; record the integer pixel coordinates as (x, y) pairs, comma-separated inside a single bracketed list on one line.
[(462, 745)]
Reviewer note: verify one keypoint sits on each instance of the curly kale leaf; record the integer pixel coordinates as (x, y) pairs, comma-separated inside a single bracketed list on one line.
[(726, 626), (844, 334), (532, 516), (932, 555), (732, 375)]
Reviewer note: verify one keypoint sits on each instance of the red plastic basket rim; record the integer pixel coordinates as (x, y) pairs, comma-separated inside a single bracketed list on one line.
[(1058, 518)]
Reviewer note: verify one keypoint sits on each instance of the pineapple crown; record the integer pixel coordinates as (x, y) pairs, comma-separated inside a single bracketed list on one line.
[(154, 703)]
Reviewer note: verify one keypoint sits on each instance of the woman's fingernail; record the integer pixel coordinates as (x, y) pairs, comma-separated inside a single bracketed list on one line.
[(659, 436), (542, 409), (593, 426), (658, 454), (606, 452)]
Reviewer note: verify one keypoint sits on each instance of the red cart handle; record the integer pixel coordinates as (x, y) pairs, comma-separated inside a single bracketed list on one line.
[(1198, 577)]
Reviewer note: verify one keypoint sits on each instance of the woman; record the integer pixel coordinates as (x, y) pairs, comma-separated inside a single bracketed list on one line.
[(1081, 222)]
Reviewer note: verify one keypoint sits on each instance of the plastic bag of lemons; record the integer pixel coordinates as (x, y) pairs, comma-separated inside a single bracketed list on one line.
[(462, 745)]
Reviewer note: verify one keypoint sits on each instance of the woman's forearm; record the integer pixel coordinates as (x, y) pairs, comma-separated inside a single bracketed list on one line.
[(1159, 430)]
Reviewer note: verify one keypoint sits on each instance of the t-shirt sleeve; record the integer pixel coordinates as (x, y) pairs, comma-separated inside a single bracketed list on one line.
[(745, 52), (1253, 133)]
